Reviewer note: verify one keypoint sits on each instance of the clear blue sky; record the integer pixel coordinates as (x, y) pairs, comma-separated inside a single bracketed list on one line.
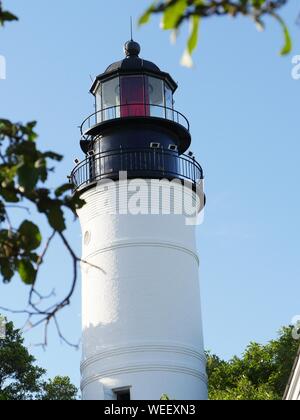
[(243, 107)]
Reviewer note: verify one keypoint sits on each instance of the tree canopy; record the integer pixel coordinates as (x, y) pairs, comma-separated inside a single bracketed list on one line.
[(262, 372), (59, 389), (22, 379)]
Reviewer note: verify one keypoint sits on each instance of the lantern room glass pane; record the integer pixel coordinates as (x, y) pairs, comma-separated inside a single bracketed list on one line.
[(133, 98), (156, 97), (99, 104), (169, 102), (111, 99)]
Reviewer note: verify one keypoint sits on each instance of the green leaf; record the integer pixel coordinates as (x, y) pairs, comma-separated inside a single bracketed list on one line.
[(27, 271), (34, 257), (147, 15), (173, 13), (29, 131), (287, 48), (6, 17), (193, 39), (74, 202), (56, 219), (62, 189), (53, 156), (28, 177), (9, 193), (30, 235), (41, 166), (258, 3), (6, 269), (24, 148)]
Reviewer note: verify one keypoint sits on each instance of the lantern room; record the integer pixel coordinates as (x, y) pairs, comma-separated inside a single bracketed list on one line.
[(135, 126), (135, 97), (133, 88)]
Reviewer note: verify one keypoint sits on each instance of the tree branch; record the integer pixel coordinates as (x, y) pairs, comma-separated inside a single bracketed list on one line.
[(50, 314)]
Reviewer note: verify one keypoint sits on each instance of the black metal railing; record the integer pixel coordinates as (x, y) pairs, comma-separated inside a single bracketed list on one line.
[(134, 110), (138, 163)]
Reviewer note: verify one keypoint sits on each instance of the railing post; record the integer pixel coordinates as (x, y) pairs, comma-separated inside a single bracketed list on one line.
[(87, 171)]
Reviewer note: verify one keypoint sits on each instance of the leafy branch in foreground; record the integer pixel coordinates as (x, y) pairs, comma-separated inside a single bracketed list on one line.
[(24, 173), (176, 12)]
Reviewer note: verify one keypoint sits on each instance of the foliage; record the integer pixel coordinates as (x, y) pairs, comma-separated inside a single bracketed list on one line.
[(21, 379), (59, 389), (261, 374), (176, 12), (6, 16), (24, 171)]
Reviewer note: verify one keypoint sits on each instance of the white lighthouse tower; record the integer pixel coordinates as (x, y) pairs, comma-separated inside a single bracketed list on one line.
[(142, 326)]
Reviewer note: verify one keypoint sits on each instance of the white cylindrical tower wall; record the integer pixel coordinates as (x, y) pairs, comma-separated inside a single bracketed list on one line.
[(142, 326)]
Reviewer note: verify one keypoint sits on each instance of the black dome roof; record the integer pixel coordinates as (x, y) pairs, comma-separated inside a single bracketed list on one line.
[(132, 61), (133, 64)]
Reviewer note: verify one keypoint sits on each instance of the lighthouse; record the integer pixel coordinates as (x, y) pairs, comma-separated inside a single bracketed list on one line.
[(143, 191)]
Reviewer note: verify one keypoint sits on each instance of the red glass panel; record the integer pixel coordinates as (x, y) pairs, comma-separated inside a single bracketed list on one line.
[(134, 97)]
